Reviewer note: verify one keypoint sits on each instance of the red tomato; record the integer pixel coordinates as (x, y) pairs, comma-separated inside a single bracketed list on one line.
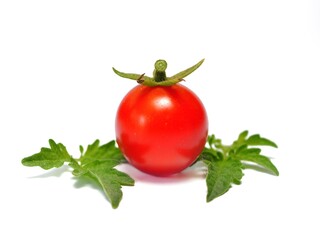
[(161, 130)]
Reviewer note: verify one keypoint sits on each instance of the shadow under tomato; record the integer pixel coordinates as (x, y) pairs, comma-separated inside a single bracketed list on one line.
[(196, 171)]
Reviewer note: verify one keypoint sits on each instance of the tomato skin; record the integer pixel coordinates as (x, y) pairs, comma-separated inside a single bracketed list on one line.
[(161, 130)]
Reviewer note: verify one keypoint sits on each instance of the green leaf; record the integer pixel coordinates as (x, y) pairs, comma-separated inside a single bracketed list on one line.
[(256, 140), (77, 169), (220, 176), (81, 150), (240, 141), (257, 158), (48, 158), (225, 162), (210, 155), (243, 135), (214, 142), (245, 150), (97, 163), (107, 152), (132, 76), (110, 180), (186, 72), (211, 139)]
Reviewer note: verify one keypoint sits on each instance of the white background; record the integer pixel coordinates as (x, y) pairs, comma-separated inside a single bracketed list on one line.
[(261, 72)]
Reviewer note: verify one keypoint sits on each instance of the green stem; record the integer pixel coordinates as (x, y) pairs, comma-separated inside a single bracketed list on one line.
[(159, 73), (225, 150)]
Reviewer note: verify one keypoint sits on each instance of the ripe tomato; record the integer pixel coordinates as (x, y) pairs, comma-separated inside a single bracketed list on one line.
[(161, 130)]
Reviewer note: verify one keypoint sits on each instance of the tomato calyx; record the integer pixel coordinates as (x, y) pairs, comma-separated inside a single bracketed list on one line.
[(159, 77)]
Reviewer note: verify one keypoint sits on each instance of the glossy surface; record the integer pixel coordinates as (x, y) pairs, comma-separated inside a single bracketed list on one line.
[(161, 130)]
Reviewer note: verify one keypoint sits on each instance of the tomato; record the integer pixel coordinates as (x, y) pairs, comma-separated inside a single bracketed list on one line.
[(161, 130)]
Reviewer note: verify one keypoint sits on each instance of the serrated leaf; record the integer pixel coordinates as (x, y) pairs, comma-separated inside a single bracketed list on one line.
[(99, 165), (48, 158), (107, 152), (257, 140), (220, 176), (110, 179), (258, 159)]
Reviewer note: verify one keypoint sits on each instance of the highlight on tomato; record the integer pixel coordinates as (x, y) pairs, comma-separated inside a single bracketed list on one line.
[(161, 126)]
